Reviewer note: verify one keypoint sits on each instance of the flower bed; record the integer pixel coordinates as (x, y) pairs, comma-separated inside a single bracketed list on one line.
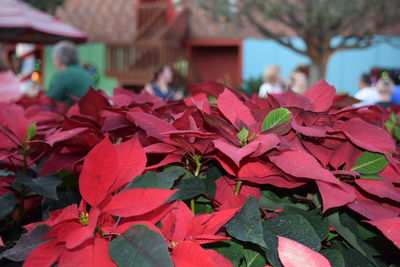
[(218, 179)]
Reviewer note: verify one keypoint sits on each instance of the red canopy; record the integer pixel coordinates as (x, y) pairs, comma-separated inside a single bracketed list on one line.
[(19, 22)]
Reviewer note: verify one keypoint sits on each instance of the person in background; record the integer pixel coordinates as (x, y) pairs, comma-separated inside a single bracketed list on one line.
[(9, 84), (298, 82), (272, 82), (385, 88), (160, 84), (71, 81), (367, 94)]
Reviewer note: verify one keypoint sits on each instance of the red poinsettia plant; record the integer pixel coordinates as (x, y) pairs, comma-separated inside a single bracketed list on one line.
[(216, 179)]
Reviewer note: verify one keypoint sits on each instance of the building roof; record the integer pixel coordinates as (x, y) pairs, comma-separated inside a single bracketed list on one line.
[(109, 21)]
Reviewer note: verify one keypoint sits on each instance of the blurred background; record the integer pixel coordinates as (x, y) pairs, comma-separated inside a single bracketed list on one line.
[(123, 42)]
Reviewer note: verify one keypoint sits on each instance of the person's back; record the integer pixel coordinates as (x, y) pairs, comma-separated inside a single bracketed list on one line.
[(71, 81), (367, 94)]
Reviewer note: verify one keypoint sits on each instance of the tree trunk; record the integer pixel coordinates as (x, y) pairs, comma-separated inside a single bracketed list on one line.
[(318, 67)]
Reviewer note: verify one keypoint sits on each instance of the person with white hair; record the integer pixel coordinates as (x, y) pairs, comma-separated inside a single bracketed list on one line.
[(71, 81), (272, 82)]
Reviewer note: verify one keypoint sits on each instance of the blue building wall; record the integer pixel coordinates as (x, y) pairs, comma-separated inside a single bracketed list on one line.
[(344, 67)]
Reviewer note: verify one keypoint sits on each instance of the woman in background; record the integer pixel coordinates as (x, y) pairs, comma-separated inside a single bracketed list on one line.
[(272, 82), (9, 84), (160, 84)]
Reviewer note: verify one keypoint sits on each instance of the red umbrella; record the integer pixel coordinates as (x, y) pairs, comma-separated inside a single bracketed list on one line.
[(19, 22)]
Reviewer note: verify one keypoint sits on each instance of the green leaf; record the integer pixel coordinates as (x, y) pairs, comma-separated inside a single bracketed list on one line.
[(371, 177), (347, 228), (353, 258), (370, 163), (27, 243), (295, 227), (242, 136), (45, 186), (140, 246), (230, 249), (396, 132), (246, 225), (253, 258), (272, 251), (270, 201), (7, 204), (320, 226), (192, 187), (159, 180), (276, 117), (31, 131), (334, 256)]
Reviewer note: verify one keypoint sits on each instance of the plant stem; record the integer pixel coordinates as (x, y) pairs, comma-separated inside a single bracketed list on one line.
[(238, 187), (193, 205)]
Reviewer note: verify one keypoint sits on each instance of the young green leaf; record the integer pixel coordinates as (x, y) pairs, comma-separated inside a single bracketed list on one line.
[(276, 117), (242, 136), (31, 131), (370, 163)]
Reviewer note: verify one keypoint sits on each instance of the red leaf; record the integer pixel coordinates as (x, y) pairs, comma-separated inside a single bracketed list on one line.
[(45, 254), (190, 254), (153, 125), (312, 130), (64, 135), (58, 161), (390, 228), (367, 136), (1, 242), (321, 96), (294, 254), (92, 103), (12, 117), (174, 224), (131, 160), (380, 188), (261, 144), (94, 254), (80, 235), (99, 172), (234, 109), (303, 165), (137, 201)]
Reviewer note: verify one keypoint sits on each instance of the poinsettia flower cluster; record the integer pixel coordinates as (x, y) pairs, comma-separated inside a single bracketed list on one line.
[(286, 141)]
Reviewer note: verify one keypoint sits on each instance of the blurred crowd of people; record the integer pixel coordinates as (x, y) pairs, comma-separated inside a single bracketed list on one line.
[(378, 91)]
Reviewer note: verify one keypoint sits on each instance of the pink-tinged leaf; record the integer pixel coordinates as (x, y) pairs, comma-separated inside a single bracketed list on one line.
[(209, 224), (321, 96), (170, 158), (380, 188), (334, 195), (208, 88), (174, 224), (261, 144), (94, 253), (390, 228), (137, 201), (153, 125), (12, 117), (190, 254), (367, 136), (290, 99), (319, 152), (218, 259), (372, 210), (234, 109), (45, 255), (64, 135), (153, 216), (159, 148), (131, 160), (58, 162), (390, 174), (344, 153), (92, 104), (82, 234), (312, 130), (294, 254), (303, 165), (1, 242), (99, 172)]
